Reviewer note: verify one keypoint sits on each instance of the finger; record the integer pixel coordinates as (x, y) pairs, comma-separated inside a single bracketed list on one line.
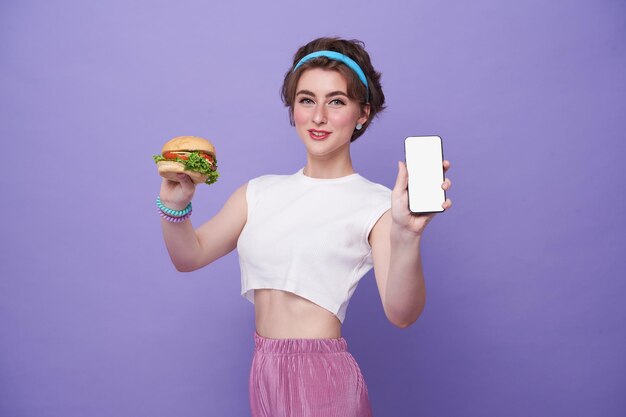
[(185, 182), (446, 184), (168, 184), (402, 179), (447, 204), (446, 165), (428, 217), (183, 178), (173, 179)]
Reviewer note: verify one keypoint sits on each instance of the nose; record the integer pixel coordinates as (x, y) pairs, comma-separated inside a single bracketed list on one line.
[(319, 116)]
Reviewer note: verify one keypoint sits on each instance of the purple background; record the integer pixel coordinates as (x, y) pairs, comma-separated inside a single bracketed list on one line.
[(525, 274)]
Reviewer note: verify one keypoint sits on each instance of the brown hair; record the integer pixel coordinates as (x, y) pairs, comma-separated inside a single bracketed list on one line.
[(356, 89)]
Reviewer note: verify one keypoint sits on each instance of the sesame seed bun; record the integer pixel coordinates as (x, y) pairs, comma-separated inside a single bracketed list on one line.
[(189, 143)]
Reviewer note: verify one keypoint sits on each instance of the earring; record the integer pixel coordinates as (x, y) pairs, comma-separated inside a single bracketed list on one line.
[(359, 126)]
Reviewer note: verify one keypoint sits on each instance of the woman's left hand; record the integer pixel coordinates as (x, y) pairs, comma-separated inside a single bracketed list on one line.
[(402, 217)]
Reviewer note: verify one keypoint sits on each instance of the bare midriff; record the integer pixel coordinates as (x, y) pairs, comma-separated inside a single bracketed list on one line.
[(285, 315)]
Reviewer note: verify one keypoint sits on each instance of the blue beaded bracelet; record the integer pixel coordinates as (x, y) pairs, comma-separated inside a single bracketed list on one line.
[(173, 213)]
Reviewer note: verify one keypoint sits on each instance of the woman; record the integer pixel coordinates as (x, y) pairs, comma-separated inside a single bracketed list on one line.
[(305, 240)]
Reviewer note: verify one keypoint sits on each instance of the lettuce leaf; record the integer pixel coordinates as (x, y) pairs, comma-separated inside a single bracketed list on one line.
[(196, 163)]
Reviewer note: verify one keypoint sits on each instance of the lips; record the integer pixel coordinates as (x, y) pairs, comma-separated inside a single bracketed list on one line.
[(318, 134)]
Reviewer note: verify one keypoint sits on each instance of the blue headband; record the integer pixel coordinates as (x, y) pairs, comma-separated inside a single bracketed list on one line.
[(341, 58)]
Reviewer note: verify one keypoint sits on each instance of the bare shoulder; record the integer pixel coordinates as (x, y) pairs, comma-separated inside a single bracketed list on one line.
[(219, 235), (238, 198), (234, 211)]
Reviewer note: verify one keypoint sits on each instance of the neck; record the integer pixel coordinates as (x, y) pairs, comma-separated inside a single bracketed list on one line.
[(328, 168)]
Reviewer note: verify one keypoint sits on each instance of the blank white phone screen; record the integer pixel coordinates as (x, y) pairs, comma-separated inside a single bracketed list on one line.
[(424, 162)]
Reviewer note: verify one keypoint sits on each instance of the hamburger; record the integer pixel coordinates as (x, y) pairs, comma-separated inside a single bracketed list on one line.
[(188, 155)]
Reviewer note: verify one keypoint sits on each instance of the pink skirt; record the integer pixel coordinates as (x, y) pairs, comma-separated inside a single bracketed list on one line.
[(306, 378)]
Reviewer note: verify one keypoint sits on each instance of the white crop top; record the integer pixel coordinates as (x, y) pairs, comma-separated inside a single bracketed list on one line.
[(309, 236)]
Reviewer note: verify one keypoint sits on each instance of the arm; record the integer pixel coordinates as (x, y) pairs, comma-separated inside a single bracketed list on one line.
[(192, 249), (395, 241)]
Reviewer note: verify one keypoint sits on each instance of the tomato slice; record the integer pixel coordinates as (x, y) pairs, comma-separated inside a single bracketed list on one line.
[(185, 155), (174, 155)]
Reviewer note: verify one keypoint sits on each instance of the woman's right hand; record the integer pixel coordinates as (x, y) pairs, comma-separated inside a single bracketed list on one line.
[(177, 194)]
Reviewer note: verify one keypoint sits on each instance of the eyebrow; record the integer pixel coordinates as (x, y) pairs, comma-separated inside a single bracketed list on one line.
[(332, 93)]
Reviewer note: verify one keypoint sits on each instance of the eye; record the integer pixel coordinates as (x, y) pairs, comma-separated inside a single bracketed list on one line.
[(305, 100), (337, 102)]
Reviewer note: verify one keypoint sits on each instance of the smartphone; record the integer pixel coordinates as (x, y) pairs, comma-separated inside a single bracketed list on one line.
[(424, 162)]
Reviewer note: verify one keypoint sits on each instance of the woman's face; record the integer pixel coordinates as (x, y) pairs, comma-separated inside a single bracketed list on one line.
[(324, 116)]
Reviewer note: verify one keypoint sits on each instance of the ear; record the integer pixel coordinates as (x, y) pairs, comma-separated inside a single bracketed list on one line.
[(365, 113)]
